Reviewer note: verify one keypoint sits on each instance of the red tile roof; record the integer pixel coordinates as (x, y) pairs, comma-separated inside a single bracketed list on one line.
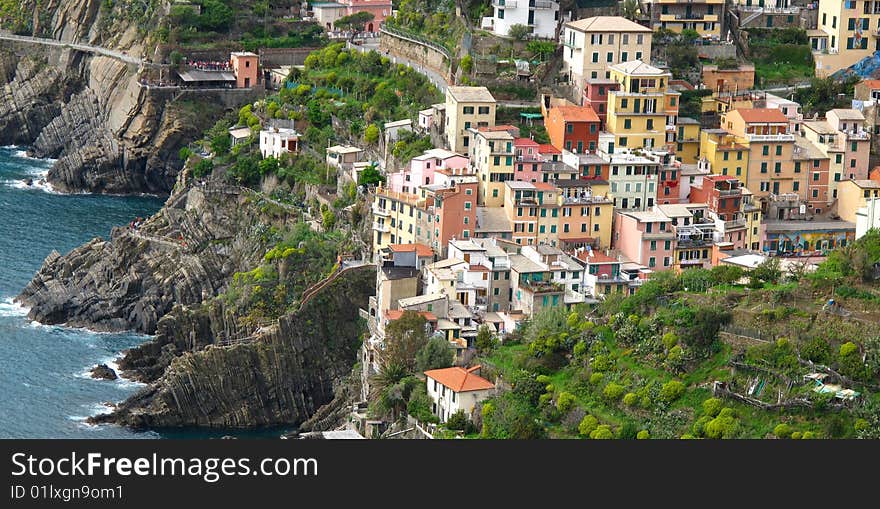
[(525, 142), (763, 115), (477, 268), (597, 257), (460, 379), (395, 314), (578, 113), (544, 186), (501, 127), (546, 148), (420, 249), (872, 84)]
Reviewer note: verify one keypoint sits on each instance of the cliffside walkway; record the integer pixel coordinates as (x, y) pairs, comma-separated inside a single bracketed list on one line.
[(85, 48)]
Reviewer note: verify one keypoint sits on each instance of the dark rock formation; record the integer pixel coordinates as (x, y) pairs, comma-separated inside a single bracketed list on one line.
[(281, 377), (108, 133), (103, 372), (182, 255)]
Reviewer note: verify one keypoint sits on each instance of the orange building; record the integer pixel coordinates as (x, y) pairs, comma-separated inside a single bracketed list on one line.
[(573, 128), (245, 67)]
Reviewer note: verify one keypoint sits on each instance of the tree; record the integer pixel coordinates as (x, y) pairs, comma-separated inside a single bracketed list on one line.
[(768, 271), (436, 354), (698, 329), (519, 31), (328, 219), (466, 64), (370, 176), (630, 9), (371, 134), (485, 341), (542, 49), (203, 168), (671, 391), (458, 421), (221, 143), (404, 338), (356, 21)]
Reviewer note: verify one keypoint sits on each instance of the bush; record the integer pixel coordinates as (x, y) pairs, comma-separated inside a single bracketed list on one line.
[(861, 425), (613, 391), (782, 430), (643, 435), (518, 31), (670, 340), (699, 427), (712, 406), (630, 399), (723, 426), (587, 425), (603, 432), (671, 391), (565, 402), (596, 378), (203, 168), (796, 435), (458, 421), (808, 435)]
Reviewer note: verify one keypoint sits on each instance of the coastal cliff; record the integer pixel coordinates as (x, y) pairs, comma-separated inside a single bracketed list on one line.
[(108, 133), (183, 255), (281, 376)]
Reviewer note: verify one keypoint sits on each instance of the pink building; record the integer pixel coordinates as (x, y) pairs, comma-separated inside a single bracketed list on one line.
[(528, 160), (596, 96), (646, 238), (326, 13), (855, 141), (421, 170)]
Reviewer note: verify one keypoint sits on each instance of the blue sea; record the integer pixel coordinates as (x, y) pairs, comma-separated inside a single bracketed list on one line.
[(45, 389)]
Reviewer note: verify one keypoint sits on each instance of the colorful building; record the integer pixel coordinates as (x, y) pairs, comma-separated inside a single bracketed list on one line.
[(643, 112), (467, 107), (572, 128), (592, 45), (492, 157)]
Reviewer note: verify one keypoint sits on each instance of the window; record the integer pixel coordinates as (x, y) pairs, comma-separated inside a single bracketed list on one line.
[(483, 110), (468, 110), (777, 167), (779, 150), (623, 103), (595, 57), (569, 127), (639, 53), (838, 158), (624, 56), (795, 186), (610, 57), (797, 167), (627, 123), (623, 141), (763, 167), (652, 262)]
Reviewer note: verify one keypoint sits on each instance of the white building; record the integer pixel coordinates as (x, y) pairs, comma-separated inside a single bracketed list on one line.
[(868, 217), (541, 16), (276, 141), (456, 388)]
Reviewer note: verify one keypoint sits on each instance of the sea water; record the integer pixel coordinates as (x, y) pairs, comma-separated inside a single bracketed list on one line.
[(45, 387)]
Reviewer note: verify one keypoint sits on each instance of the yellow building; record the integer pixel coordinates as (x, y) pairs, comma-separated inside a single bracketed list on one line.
[(643, 112), (467, 107), (396, 219), (704, 16), (592, 45), (521, 207), (586, 214), (845, 34), (548, 213), (723, 155), (753, 216), (493, 157), (853, 195), (687, 146), (764, 131)]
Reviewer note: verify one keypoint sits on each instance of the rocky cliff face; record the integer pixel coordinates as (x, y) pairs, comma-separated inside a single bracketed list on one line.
[(108, 133), (182, 255), (281, 377)]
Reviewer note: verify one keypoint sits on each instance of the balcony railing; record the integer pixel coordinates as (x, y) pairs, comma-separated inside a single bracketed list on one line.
[(734, 223), (540, 4), (784, 197), (771, 137), (381, 227), (729, 192), (504, 4), (379, 211)]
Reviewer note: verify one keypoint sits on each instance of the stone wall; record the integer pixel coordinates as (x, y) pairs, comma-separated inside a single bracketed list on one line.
[(416, 51)]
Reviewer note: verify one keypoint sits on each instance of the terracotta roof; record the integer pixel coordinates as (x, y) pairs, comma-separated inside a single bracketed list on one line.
[(546, 148), (525, 142), (872, 84), (459, 379), (500, 127), (477, 268), (420, 249), (578, 113), (597, 257), (762, 115), (544, 186), (395, 314)]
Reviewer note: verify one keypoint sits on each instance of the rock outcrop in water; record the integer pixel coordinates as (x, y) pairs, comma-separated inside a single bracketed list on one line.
[(104, 372), (182, 255), (108, 133), (281, 376)]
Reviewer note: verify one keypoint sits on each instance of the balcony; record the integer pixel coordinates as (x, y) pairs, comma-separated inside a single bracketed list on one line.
[(381, 227), (526, 158), (784, 197), (504, 4), (379, 211), (857, 135), (734, 224), (769, 10), (771, 137), (729, 192), (540, 4)]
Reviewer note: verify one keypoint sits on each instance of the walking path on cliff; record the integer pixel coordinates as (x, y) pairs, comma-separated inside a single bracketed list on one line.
[(87, 48)]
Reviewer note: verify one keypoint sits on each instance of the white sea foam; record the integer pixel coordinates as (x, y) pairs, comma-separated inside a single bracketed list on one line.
[(37, 184), (10, 308)]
